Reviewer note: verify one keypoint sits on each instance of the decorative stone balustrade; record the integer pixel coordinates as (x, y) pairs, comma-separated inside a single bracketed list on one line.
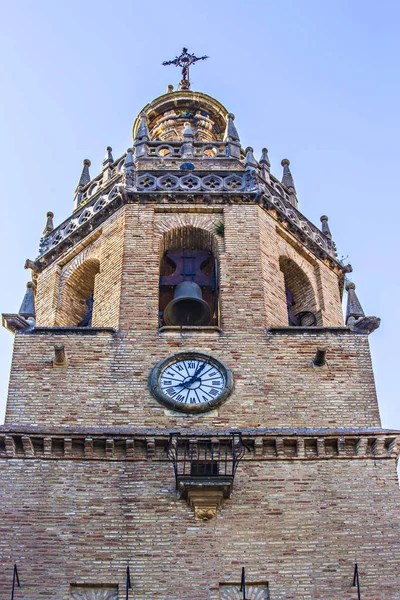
[(200, 150), (176, 188)]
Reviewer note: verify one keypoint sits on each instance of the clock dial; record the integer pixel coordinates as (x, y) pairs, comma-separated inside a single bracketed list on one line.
[(191, 382)]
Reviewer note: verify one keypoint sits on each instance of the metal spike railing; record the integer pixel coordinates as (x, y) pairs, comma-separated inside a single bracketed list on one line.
[(15, 581), (243, 584), (128, 582), (356, 581)]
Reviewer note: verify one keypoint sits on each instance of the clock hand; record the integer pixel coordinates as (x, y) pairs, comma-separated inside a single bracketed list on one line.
[(180, 385), (195, 376), (199, 370)]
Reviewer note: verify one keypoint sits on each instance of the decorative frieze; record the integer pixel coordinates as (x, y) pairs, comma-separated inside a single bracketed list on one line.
[(81, 446)]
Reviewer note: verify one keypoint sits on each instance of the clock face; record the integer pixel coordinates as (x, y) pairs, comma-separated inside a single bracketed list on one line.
[(191, 382)]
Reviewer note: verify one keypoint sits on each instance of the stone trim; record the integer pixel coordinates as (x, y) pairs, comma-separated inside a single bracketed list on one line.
[(294, 330), (212, 329), (281, 446), (66, 330)]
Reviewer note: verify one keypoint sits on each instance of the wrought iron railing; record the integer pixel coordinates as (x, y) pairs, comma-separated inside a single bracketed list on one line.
[(205, 458)]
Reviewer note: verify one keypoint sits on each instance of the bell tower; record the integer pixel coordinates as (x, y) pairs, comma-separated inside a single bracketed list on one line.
[(189, 416)]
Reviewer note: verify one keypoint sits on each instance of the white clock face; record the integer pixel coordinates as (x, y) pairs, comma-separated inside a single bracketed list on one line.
[(191, 382)]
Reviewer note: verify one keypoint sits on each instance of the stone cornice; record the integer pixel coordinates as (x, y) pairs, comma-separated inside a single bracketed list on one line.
[(72, 443), (293, 330)]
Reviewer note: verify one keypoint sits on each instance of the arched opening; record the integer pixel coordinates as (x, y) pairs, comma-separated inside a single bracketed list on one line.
[(300, 297), (78, 295), (188, 292)]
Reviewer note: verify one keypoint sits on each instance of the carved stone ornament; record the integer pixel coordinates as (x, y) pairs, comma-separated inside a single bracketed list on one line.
[(205, 501), (365, 325), (257, 591), (99, 592), (203, 513)]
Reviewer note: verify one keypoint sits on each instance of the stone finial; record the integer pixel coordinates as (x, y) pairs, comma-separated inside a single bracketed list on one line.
[(188, 131), (325, 227), (188, 137), (129, 163), (83, 180), (48, 228), (142, 134), (170, 88), (265, 165), (85, 175), (250, 162), (287, 178), (354, 309), (231, 134), (27, 309), (108, 158), (288, 181), (107, 164), (264, 160)]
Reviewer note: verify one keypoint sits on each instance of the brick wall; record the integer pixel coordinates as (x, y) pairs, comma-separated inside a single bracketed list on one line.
[(106, 381), (107, 374), (300, 526)]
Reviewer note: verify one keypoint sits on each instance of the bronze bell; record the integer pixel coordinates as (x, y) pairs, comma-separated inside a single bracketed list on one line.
[(188, 306)]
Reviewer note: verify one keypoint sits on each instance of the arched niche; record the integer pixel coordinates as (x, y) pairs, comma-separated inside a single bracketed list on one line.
[(77, 295), (300, 296)]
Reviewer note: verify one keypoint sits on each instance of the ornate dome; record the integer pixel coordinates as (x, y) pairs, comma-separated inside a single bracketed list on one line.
[(168, 115)]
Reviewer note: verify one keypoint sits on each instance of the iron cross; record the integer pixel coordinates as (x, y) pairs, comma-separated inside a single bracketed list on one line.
[(185, 60)]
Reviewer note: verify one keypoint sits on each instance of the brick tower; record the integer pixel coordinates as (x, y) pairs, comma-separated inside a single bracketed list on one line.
[(188, 415)]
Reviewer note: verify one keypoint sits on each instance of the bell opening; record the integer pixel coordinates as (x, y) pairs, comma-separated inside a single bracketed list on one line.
[(188, 288)]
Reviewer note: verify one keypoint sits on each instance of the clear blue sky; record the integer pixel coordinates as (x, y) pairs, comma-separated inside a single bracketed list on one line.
[(316, 81)]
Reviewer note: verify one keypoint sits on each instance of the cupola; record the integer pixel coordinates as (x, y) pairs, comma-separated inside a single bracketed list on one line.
[(167, 117)]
